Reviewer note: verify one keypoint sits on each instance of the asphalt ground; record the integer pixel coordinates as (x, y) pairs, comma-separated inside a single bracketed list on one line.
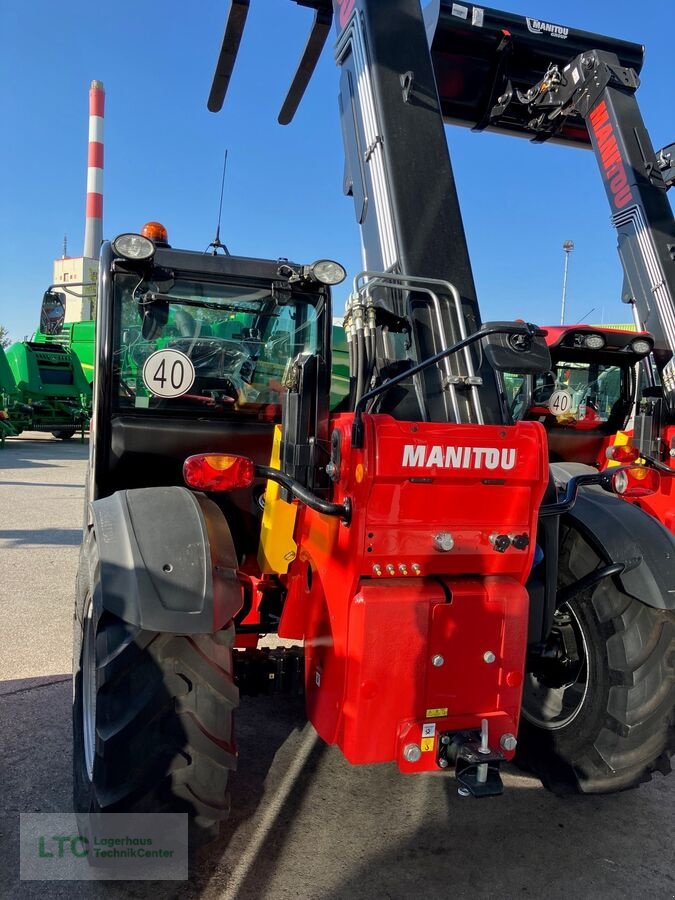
[(305, 824)]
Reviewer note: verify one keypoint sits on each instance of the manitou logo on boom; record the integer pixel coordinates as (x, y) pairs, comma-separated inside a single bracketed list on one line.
[(615, 170), (536, 26), (421, 457)]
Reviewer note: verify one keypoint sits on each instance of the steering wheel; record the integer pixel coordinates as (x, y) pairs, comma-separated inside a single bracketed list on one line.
[(212, 355)]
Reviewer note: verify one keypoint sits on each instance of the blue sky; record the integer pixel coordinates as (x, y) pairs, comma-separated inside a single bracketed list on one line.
[(283, 195)]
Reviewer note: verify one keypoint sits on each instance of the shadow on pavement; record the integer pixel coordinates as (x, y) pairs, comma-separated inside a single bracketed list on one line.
[(45, 484), (35, 536), (36, 776)]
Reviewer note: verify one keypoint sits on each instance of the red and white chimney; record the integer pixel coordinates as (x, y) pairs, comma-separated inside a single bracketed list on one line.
[(93, 230)]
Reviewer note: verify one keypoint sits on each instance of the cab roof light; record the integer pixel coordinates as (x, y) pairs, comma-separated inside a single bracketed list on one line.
[(156, 232), (641, 346), (327, 271), (134, 247), (594, 341), (218, 472)]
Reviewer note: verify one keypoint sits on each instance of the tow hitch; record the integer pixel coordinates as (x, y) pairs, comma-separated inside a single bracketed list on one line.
[(476, 765)]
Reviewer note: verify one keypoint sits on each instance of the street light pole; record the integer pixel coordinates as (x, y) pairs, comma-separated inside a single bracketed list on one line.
[(567, 246)]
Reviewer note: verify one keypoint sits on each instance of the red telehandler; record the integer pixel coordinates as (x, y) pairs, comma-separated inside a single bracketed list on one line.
[(576, 90), (454, 600), (602, 382)]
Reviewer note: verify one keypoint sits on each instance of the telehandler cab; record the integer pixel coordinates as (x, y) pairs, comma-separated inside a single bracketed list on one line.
[(601, 408), (455, 598)]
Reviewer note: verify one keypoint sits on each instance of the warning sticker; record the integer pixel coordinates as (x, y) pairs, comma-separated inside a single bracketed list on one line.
[(428, 729), (427, 744), (477, 17), (437, 713), (461, 12)]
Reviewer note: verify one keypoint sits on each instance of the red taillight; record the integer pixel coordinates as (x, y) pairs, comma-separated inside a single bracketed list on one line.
[(623, 453), (4, 414), (636, 481), (218, 472)]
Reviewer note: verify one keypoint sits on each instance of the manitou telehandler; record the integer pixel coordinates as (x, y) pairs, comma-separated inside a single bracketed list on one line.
[(584, 95), (600, 383), (456, 599)]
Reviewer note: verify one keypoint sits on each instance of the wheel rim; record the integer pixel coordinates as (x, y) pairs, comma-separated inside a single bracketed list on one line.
[(89, 692), (550, 705)]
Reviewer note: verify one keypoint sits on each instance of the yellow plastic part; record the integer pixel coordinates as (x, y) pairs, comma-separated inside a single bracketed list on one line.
[(277, 548)]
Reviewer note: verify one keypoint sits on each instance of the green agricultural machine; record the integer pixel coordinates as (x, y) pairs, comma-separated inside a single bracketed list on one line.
[(80, 337), (43, 389), (15, 415)]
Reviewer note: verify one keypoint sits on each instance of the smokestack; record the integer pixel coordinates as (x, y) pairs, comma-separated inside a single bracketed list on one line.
[(93, 229)]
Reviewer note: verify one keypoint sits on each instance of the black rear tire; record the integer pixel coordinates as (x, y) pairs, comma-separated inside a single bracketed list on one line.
[(63, 434), (152, 716), (611, 723)]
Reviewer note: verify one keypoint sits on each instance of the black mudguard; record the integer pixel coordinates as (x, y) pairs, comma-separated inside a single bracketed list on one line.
[(622, 533), (167, 560)]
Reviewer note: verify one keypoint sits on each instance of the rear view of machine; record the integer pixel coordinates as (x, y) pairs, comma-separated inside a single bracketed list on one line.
[(454, 603)]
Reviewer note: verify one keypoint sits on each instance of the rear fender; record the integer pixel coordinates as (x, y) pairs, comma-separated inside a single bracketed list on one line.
[(167, 560), (620, 532)]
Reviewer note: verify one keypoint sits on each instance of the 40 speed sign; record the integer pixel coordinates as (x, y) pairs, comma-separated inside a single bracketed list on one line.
[(168, 373), (560, 402)]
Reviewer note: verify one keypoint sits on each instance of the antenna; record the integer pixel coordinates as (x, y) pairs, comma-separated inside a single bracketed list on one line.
[(216, 242), (579, 321)]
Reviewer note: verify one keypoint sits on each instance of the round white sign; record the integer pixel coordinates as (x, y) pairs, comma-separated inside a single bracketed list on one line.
[(168, 373), (560, 403)]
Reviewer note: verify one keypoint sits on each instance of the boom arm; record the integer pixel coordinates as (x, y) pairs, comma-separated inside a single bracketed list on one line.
[(399, 174), (596, 87)]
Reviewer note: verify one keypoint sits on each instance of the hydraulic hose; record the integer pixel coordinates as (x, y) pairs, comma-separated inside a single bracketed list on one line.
[(300, 492)]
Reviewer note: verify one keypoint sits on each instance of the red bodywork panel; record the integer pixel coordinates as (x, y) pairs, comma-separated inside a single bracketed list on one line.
[(370, 639)]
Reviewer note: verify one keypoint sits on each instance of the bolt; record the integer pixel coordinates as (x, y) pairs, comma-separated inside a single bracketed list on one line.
[(463, 792), (444, 542), (508, 742), (443, 763), (412, 753), (437, 660), (489, 657), (445, 739), (403, 569), (391, 570), (417, 569), (377, 570)]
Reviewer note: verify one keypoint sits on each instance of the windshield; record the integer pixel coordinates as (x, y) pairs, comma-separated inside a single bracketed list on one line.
[(574, 392), (194, 346)]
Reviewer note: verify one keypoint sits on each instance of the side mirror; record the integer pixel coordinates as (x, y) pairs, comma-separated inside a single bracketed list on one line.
[(521, 354), (154, 313), (52, 312)]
